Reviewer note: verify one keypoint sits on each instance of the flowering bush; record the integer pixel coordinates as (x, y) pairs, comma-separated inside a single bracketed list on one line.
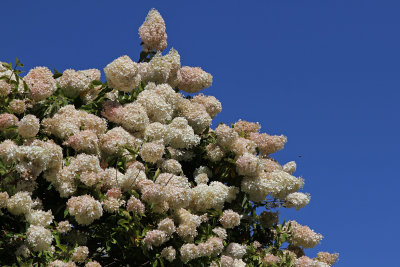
[(129, 172)]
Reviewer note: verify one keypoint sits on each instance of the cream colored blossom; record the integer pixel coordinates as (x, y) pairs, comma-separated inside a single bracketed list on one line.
[(244, 128), (41, 83), (249, 165), (327, 257), (39, 238), (189, 252), (230, 219), (211, 196), (167, 225), (225, 135), (268, 144), (235, 250), (5, 88), (180, 135), (113, 142), (195, 114), (152, 32), (69, 121), (214, 152), (194, 79), (297, 200), (156, 108), (122, 74), (20, 203), (210, 103), (289, 167), (73, 83), (171, 166), (17, 106), (303, 236), (84, 141), (64, 227), (40, 217), (85, 209), (80, 254), (220, 232), (155, 131), (168, 253), (135, 205), (152, 152), (155, 238), (7, 120), (112, 204)]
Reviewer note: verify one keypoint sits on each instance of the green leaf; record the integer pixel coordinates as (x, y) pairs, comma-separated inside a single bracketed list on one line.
[(7, 65), (56, 74), (26, 88), (19, 63), (96, 82)]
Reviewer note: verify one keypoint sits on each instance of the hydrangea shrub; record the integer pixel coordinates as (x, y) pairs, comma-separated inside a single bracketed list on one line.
[(129, 172)]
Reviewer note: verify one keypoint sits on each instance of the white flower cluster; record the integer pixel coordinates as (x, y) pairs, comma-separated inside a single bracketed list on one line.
[(235, 250), (85, 209), (39, 237), (303, 236), (69, 121), (80, 254), (77, 83), (213, 196), (230, 219), (28, 126)]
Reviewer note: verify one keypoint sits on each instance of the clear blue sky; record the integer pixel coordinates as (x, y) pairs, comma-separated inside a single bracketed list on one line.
[(324, 73)]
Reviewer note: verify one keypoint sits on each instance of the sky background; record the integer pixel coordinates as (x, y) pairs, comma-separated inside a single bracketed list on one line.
[(323, 73)]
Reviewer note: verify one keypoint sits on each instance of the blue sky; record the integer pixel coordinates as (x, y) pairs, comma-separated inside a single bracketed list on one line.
[(324, 73)]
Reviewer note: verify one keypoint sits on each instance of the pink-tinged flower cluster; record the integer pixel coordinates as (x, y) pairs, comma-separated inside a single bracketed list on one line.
[(327, 257), (152, 32), (7, 120), (194, 79), (155, 238), (230, 219), (135, 205), (303, 236), (41, 83), (5, 88), (268, 144), (270, 259)]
